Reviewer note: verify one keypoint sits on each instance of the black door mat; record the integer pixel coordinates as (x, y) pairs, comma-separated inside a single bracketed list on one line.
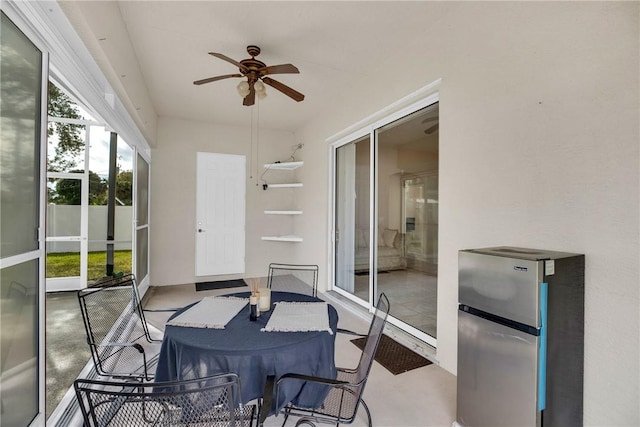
[(221, 284), (395, 357)]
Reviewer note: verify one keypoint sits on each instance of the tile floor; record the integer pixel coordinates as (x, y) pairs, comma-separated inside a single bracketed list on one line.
[(414, 295), (421, 397)]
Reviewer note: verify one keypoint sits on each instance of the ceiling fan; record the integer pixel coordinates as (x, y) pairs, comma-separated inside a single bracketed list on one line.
[(256, 72)]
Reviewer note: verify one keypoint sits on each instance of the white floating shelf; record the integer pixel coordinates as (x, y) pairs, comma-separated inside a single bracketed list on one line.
[(283, 165), (283, 212), (291, 185), (283, 238)]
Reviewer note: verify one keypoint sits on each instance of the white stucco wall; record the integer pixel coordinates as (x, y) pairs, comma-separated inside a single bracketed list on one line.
[(539, 147), (173, 200)]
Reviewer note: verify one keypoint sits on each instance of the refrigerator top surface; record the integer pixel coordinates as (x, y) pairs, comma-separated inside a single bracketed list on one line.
[(521, 253)]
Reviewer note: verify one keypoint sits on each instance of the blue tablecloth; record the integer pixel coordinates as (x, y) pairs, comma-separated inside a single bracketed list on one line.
[(243, 349)]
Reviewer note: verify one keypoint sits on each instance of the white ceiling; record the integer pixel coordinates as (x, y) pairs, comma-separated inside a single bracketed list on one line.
[(156, 49)]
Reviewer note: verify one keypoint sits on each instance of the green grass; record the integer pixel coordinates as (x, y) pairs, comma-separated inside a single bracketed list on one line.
[(67, 264)]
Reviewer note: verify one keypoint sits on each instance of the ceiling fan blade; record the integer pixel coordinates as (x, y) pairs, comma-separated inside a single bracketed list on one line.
[(233, 61), (292, 93), (279, 69), (432, 129), (213, 79), (251, 98), (429, 119)]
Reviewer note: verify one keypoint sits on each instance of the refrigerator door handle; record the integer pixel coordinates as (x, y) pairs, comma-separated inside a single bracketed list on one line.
[(542, 356), (528, 329)]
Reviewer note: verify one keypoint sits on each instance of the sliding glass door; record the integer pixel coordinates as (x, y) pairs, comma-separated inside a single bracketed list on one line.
[(142, 221), (386, 217), (352, 235), (90, 198), (23, 70)]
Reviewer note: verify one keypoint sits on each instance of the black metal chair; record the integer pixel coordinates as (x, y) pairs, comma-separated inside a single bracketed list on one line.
[(209, 401), (117, 331), (345, 396), (293, 277)]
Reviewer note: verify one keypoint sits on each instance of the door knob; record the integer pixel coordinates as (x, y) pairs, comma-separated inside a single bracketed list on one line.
[(200, 230)]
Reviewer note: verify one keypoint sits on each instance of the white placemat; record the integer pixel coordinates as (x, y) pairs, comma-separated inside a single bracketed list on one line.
[(210, 312), (299, 317)]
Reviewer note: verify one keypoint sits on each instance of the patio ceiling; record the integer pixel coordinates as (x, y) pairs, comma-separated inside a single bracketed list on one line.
[(151, 52)]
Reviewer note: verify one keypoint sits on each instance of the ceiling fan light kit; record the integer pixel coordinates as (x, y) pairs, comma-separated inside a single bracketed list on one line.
[(256, 73), (261, 89)]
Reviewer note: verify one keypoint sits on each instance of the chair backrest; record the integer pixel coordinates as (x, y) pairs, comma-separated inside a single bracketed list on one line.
[(293, 277), (371, 345), (344, 401), (112, 313), (210, 401)]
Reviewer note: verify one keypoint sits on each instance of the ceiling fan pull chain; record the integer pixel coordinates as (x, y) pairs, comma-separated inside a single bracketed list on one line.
[(257, 107), (251, 150)]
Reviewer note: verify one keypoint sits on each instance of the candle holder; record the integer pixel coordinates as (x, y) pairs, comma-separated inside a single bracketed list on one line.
[(265, 299)]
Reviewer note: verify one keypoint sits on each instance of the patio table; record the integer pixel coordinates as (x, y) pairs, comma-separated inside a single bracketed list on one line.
[(242, 348)]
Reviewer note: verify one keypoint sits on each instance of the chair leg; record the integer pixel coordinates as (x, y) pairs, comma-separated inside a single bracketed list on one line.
[(366, 408), (264, 405), (286, 417), (254, 415)]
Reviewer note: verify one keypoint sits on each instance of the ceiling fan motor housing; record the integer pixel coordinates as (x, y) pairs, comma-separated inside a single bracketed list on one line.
[(253, 50)]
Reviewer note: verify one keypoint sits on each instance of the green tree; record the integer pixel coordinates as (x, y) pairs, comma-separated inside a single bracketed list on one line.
[(70, 140), (68, 191), (124, 187)]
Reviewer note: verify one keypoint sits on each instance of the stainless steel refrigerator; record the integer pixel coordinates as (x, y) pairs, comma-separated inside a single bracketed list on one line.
[(520, 338)]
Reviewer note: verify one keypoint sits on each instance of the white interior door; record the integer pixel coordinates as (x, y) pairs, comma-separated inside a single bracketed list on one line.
[(220, 216)]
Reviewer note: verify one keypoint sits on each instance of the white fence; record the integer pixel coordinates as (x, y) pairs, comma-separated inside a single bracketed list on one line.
[(64, 220)]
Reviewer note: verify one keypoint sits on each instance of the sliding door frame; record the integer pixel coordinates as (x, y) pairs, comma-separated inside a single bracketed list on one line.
[(72, 283), (422, 98), (137, 225)]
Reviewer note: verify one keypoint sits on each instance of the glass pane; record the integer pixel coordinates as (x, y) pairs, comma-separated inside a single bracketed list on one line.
[(407, 200), (98, 263), (100, 141), (142, 199), (124, 209), (66, 142), (352, 217), (124, 182), (421, 207), (20, 68), (63, 259), (142, 253), (20, 128), (19, 343), (65, 147), (63, 209)]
